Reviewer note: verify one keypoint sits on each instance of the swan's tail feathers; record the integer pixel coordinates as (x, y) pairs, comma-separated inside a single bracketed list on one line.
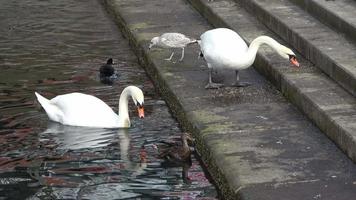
[(193, 41), (52, 110), (41, 99)]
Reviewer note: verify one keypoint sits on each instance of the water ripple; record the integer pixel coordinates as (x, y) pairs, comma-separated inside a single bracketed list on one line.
[(55, 47)]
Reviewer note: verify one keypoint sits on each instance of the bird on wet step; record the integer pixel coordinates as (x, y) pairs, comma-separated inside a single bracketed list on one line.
[(224, 48), (172, 41)]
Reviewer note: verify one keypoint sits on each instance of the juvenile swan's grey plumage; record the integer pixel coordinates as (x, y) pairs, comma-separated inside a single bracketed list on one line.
[(172, 40)]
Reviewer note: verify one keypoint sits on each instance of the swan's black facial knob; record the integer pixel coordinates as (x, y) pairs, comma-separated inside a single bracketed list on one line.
[(140, 110), (293, 60)]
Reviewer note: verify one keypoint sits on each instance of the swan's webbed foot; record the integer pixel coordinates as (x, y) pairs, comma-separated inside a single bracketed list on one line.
[(214, 85), (211, 84), (241, 84), (238, 83)]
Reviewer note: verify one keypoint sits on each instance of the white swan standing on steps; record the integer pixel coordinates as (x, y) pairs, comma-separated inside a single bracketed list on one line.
[(77, 109), (224, 48)]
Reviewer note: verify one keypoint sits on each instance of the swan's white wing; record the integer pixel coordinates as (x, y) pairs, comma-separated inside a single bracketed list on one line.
[(84, 110), (221, 47)]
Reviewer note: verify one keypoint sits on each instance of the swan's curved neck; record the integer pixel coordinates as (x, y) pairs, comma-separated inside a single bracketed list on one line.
[(256, 43), (123, 104)]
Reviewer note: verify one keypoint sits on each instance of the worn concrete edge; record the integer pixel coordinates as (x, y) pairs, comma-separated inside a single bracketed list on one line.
[(219, 179), (328, 16), (337, 133), (341, 136), (330, 66)]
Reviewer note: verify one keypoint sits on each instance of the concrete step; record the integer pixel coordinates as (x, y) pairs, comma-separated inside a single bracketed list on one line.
[(254, 143), (327, 49), (339, 15), (327, 104)]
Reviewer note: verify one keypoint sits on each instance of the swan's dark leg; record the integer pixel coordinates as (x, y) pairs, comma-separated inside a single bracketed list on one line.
[(182, 56), (201, 55), (185, 173), (211, 84), (237, 81)]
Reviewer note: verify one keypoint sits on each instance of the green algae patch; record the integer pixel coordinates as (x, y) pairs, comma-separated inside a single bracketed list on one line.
[(144, 38), (207, 116), (157, 56), (213, 123), (174, 76), (137, 26), (169, 74), (217, 128)]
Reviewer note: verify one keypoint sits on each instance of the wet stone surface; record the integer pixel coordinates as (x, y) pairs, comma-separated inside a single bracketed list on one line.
[(257, 144), (57, 47)]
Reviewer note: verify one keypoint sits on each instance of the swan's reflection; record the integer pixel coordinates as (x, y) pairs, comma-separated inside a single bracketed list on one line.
[(68, 164), (76, 137)]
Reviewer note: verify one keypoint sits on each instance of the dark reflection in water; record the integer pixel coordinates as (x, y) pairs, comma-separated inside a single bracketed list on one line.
[(56, 47)]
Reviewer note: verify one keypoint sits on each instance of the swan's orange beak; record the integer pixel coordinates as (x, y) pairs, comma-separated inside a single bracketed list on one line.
[(294, 61), (141, 112)]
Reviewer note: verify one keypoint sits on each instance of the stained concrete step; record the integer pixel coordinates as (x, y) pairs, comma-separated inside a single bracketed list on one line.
[(255, 144), (326, 48), (339, 15), (327, 104)]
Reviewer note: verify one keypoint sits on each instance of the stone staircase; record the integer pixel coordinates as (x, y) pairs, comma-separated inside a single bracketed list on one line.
[(322, 45), (325, 90), (338, 15), (255, 143)]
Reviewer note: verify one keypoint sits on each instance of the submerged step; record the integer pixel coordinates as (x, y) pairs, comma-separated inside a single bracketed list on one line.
[(255, 144), (327, 49)]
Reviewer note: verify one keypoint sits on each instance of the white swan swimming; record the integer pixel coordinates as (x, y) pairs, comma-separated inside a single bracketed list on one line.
[(77, 109), (224, 48), (172, 40)]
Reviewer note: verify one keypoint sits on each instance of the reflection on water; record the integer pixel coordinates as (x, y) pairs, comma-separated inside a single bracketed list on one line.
[(56, 47), (75, 137)]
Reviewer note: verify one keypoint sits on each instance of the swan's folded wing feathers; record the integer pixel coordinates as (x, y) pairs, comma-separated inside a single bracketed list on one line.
[(78, 106), (85, 110)]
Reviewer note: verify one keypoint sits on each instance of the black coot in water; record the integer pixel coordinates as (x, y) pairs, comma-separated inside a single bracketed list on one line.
[(107, 72)]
